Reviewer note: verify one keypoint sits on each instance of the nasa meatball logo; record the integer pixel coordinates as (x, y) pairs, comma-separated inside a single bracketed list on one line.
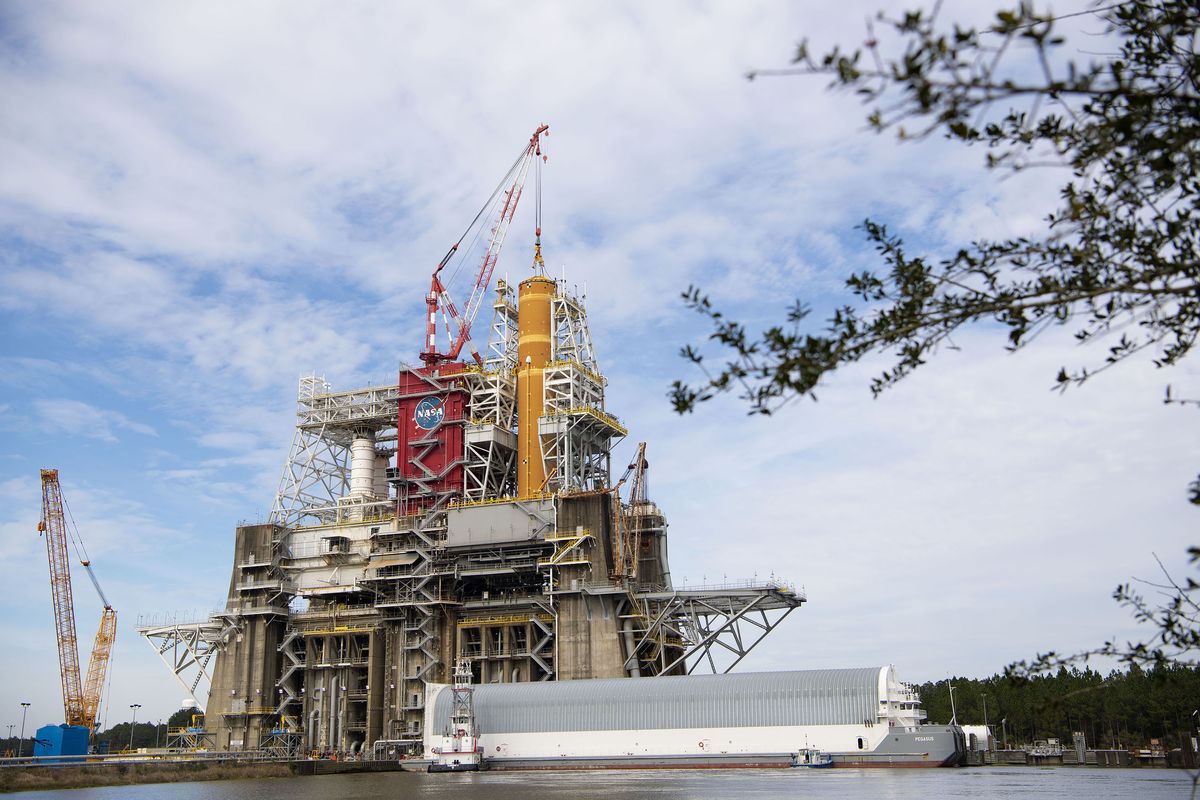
[(430, 413)]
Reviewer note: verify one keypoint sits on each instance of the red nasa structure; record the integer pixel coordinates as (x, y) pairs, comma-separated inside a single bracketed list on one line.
[(430, 451)]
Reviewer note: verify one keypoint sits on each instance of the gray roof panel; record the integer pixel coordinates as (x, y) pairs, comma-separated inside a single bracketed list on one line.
[(752, 699)]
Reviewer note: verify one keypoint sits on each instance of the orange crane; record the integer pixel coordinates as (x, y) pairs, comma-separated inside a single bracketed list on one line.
[(81, 703)]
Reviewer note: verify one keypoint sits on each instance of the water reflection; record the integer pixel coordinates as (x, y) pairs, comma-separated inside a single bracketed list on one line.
[(836, 784)]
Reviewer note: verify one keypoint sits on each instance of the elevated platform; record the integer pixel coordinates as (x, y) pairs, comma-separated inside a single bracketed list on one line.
[(337, 414)]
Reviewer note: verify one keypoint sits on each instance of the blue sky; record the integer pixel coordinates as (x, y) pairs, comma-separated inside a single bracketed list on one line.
[(199, 203)]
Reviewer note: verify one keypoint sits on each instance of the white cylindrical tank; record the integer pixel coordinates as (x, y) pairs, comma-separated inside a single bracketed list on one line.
[(381, 486), (362, 465)]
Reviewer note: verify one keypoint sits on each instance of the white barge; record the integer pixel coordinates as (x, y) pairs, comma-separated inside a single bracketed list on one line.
[(862, 717)]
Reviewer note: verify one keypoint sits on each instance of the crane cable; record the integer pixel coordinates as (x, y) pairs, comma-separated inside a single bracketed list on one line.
[(539, 265), (488, 204), (489, 210), (81, 551)]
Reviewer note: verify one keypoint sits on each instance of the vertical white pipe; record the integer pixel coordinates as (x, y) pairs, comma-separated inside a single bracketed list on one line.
[(362, 465)]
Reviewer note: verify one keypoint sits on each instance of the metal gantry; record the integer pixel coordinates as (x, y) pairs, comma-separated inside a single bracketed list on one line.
[(685, 630), (193, 736), (315, 485), (187, 648), (490, 434), (576, 433)]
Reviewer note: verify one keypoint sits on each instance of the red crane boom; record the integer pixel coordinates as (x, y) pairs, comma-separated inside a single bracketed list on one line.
[(439, 298)]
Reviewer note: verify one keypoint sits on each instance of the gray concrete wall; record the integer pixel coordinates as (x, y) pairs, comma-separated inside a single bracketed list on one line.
[(589, 641), (245, 672)]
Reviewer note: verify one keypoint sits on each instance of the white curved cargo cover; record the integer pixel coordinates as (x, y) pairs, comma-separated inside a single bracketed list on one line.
[(755, 699)]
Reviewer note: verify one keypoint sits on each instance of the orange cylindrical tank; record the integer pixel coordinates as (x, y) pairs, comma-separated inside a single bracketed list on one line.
[(533, 351)]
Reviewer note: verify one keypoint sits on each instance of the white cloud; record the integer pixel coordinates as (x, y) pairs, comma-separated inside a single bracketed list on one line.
[(201, 203), (75, 418)]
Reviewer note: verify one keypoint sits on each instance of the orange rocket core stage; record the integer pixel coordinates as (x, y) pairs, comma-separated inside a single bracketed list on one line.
[(533, 351)]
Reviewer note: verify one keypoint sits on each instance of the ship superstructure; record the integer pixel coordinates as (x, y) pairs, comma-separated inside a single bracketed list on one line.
[(467, 513)]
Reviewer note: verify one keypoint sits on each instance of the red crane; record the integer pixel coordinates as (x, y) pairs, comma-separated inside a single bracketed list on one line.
[(439, 299), (81, 702)]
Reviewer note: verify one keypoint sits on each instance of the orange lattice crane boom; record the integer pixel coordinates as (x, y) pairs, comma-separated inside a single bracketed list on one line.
[(81, 700)]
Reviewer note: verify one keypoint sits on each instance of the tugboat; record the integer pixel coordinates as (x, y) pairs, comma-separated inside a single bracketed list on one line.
[(460, 751), (812, 758)]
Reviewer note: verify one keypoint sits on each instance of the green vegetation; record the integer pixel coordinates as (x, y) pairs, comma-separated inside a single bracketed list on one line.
[(145, 734), (1122, 709), (1117, 260)]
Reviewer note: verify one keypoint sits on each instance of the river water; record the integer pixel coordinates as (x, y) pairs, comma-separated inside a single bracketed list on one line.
[(834, 784)]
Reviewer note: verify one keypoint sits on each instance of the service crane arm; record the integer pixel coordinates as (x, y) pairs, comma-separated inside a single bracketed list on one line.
[(438, 297)]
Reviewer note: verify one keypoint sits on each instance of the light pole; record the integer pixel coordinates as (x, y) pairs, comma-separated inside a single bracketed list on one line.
[(953, 713), (134, 707), (21, 743), (10, 727), (1004, 730), (156, 733)]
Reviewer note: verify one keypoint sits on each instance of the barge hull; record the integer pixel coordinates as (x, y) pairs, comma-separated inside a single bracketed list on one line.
[(766, 761)]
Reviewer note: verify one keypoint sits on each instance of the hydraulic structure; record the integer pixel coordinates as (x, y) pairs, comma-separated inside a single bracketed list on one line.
[(463, 514)]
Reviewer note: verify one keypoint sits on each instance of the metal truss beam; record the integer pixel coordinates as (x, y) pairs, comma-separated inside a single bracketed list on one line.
[(187, 648), (717, 628)]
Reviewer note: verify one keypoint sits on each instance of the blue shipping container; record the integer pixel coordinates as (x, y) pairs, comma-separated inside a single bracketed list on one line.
[(61, 740)]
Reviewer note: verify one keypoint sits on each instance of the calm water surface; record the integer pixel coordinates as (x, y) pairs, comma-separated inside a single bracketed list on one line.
[(836, 784)]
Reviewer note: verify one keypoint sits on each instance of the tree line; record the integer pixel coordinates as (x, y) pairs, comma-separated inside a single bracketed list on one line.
[(115, 738), (1123, 709)]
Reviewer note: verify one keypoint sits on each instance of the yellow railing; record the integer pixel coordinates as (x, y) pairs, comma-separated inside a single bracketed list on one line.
[(507, 619), (497, 501), (567, 543), (566, 536), (337, 629), (252, 711), (575, 364), (484, 421), (475, 369), (603, 416)]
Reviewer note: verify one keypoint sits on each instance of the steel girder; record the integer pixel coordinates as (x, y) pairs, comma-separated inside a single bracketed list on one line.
[(188, 647), (713, 627)]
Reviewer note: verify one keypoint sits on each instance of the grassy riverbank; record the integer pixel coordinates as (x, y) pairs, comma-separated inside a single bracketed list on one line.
[(15, 779)]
